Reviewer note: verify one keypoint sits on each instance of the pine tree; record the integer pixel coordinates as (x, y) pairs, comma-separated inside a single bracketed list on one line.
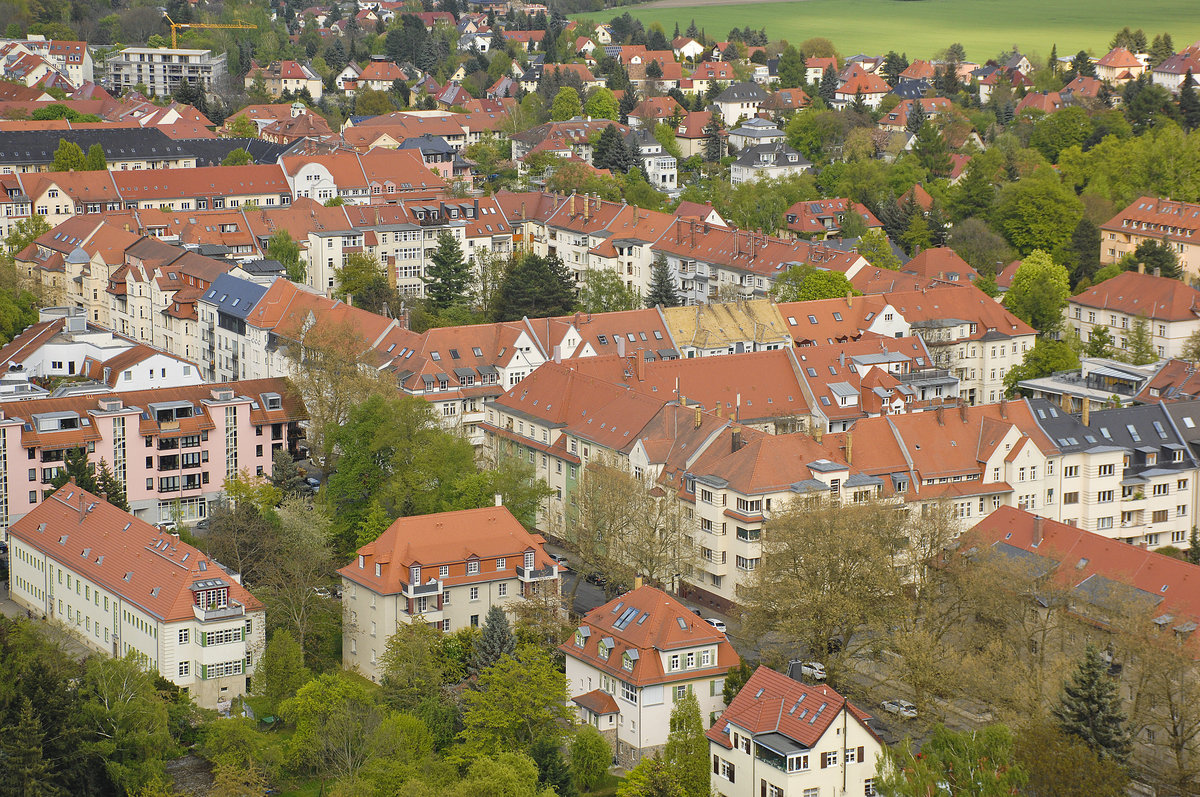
[(829, 85), (916, 117), (553, 772), (448, 274), (858, 104), (628, 103), (25, 771), (108, 484), (633, 154), (1052, 64), (686, 751), (75, 464), (534, 287), (610, 151), (712, 141), (1141, 345), (1193, 551), (1090, 709), (285, 475), (496, 640), (662, 285), (1189, 103)]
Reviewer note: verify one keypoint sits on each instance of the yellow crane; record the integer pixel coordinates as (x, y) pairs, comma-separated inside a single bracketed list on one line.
[(178, 26)]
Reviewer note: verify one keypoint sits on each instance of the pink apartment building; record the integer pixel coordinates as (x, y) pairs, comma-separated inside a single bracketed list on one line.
[(172, 448)]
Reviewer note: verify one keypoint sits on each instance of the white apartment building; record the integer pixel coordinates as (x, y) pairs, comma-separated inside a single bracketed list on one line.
[(1169, 307), (119, 584), (161, 70), (446, 569), (631, 659)]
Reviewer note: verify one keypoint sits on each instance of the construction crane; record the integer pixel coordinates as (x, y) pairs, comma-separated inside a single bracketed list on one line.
[(178, 26)]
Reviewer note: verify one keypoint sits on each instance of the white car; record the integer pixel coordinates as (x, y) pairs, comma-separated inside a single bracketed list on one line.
[(901, 708), (813, 669), (715, 623)]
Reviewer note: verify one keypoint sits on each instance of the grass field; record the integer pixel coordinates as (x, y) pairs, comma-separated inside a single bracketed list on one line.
[(984, 27)]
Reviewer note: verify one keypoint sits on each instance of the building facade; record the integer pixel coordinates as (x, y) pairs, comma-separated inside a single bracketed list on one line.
[(161, 70)]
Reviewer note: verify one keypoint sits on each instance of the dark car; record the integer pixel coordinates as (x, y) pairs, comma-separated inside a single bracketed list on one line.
[(599, 579)]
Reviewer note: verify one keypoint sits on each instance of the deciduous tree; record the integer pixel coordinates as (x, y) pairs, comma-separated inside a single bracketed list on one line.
[(686, 751), (517, 700), (805, 283), (1039, 292), (283, 248), (281, 671), (604, 292), (590, 758)]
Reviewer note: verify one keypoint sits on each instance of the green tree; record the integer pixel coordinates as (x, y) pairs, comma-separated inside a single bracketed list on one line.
[(566, 105), (363, 281), (336, 718), (553, 772), (1099, 342), (1191, 347), (534, 287), (76, 466), (1047, 356), (686, 752), (26, 772), (95, 161), (283, 248), (1189, 103), (376, 521), (237, 157), (281, 671), (735, 679), (590, 758), (933, 153), (1057, 131), (286, 476), (496, 641), (916, 117), (604, 292), (611, 153), (68, 157), (651, 778), (516, 700), (877, 249), (805, 283), (1141, 345), (413, 666), (25, 232), (240, 126), (603, 104), (792, 71), (369, 102), (918, 236), (977, 763), (1085, 248), (829, 85), (507, 774), (448, 274), (1062, 766), (1039, 292), (662, 285), (1157, 256), (109, 486), (1089, 709), (1193, 551), (1037, 212)]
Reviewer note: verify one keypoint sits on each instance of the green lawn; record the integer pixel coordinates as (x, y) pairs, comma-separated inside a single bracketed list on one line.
[(984, 27)]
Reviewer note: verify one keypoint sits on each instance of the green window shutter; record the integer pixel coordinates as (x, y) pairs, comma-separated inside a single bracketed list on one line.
[(203, 639), (203, 672)]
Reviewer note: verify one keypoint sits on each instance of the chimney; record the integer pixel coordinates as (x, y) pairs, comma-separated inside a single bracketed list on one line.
[(1141, 268), (737, 412), (620, 345), (639, 365), (849, 298), (523, 216), (699, 418), (558, 355), (499, 499), (718, 411), (571, 205), (585, 208), (1003, 405), (637, 582), (1087, 410), (735, 440), (962, 411), (1157, 271), (940, 415), (817, 432), (849, 448), (1037, 530)]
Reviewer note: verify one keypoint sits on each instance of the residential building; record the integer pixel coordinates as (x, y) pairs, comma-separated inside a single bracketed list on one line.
[(172, 447), (740, 101), (1171, 73), (1148, 218), (726, 328), (767, 162), (659, 165), (286, 76), (868, 87), (631, 659), (782, 738), (124, 149), (447, 569), (755, 131), (823, 218), (1169, 308), (161, 70), (120, 585), (1100, 382), (1119, 66), (942, 265)]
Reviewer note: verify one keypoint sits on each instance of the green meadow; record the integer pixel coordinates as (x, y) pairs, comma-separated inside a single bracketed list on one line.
[(922, 27)]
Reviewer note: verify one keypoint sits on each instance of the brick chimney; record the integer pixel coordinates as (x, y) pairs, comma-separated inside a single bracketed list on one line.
[(1037, 530)]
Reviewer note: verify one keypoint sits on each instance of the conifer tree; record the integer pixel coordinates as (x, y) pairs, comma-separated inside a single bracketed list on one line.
[(76, 464), (496, 640), (712, 141), (829, 84), (916, 117), (553, 772), (1090, 709), (1189, 103), (68, 157), (1141, 345), (108, 484), (686, 752), (662, 285), (25, 771), (95, 161), (448, 275), (628, 103)]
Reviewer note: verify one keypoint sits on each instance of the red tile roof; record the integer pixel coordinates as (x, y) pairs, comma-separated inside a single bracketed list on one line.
[(773, 703), (962, 302), (598, 702), (941, 264), (1119, 58), (666, 625), (1156, 298)]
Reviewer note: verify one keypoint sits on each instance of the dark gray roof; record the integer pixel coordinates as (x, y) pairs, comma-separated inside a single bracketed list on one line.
[(1137, 428), (427, 142), (262, 267), (742, 92), (911, 89), (234, 296), (1066, 431), (780, 155), (211, 151), (22, 146)]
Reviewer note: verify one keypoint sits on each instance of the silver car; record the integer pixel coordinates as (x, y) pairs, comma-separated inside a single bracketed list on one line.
[(901, 708)]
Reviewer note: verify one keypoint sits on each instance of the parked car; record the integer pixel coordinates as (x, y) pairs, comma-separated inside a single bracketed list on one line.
[(560, 560), (715, 623), (201, 525), (900, 708), (599, 579), (813, 669), (321, 591)]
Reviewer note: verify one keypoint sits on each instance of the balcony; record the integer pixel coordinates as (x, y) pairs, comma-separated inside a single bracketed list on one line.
[(234, 609), (536, 573), (420, 590)]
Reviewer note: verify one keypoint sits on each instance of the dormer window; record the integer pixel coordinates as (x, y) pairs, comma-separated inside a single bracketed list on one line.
[(378, 569), (361, 561)]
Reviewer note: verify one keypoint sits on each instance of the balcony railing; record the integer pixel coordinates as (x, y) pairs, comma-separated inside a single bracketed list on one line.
[(233, 609), (536, 573), (432, 588)]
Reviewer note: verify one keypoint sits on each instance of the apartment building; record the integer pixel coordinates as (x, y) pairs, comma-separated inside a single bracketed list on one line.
[(782, 738), (125, 149), (447, 569), (727, 328), (171, 447), (161, 70), (968, 334), (1170, 308), (631, 659), (1150, 218), (286, 76), (119, 585)]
